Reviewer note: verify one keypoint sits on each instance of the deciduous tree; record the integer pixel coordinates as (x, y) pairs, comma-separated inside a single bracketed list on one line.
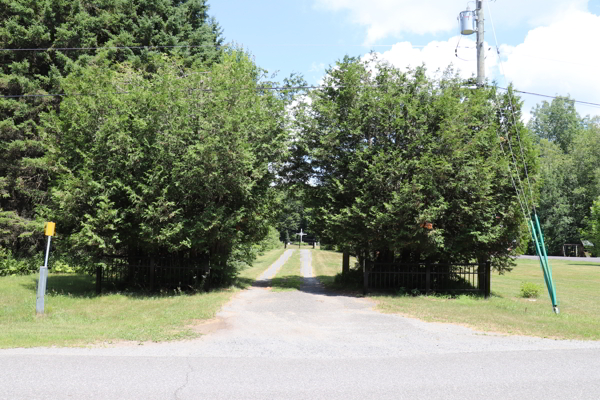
[(557, 121)]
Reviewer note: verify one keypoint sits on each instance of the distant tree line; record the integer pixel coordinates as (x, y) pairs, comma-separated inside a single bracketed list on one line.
[(569, 178)]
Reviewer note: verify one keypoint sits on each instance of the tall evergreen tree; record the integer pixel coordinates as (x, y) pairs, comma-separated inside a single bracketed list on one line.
[(409, 168), (57, 24), (171, 162)]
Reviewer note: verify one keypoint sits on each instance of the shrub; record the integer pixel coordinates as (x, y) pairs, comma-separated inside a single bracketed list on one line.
[(401, 291), (12, 266), (352, 280), (530, 290), (62, 267), (326, 246), (270, 242)]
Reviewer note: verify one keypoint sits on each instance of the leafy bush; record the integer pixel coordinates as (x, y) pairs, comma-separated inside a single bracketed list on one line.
[(62, 267), (12, 266), (328, 246), (352, 280), (270, 242), (530, 290)]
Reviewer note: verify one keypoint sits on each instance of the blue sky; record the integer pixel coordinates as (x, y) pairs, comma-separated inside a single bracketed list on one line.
[(546, 46)]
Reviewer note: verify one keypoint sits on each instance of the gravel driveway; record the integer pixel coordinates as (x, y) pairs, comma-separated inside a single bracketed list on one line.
[(311, 344)]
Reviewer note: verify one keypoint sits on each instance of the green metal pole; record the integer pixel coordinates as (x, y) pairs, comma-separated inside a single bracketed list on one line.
[(553, 296), (543, 257), (541, 234), (538, 252)]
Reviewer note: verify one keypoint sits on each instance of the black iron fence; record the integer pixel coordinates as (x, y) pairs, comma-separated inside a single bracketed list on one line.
[(427, 278), (151, 273)]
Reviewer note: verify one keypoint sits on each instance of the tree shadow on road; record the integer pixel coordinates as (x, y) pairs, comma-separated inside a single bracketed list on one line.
[(310, 285)]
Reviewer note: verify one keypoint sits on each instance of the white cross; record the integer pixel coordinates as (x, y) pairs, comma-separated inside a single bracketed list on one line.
[(301, 234)]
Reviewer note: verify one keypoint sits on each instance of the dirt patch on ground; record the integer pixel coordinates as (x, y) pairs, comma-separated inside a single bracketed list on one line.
[(204, 327)]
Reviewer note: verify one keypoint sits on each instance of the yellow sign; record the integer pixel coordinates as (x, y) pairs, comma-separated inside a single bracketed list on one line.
[(50, 227)]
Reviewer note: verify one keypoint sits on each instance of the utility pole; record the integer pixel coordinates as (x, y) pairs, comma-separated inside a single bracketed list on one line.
[(480, 48)]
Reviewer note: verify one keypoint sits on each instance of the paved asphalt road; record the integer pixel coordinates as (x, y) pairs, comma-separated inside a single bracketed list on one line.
[(310, 344)]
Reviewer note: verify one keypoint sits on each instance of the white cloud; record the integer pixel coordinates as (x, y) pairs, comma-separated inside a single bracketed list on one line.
[(561, 58), (438, 55), (558, 59), (317, 67), (533, 12), (385, 18), (395, 18)]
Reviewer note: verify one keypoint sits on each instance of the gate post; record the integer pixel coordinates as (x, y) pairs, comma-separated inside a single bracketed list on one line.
[(151, 273), (365, 277), (98, 280), (427, 278), (345, 262), (488, 279)]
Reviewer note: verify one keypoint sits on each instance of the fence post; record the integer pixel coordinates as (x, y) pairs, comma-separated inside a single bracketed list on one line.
[(488, 279), (427, 277), (98, 280), (345, 262), (365, 277), (151, 273)]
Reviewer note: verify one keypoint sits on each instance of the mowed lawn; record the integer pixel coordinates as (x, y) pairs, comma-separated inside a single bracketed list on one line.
[(577, 285), (76, 316), (289, 276)]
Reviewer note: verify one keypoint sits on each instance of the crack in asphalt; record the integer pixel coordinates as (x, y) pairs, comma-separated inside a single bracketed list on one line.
[(187, 380)]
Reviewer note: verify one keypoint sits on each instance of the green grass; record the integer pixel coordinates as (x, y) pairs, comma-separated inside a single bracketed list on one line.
[(577, 286), (76, 316), (289, 276), (249, 275), (305, 246), (326, 265)]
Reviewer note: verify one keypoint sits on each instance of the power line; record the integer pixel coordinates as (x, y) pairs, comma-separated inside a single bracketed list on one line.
[(420, 46), (274, 45), (512, 110), (308, 87), (552, 97), (183, 46), (274, 88), (108, 48)]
